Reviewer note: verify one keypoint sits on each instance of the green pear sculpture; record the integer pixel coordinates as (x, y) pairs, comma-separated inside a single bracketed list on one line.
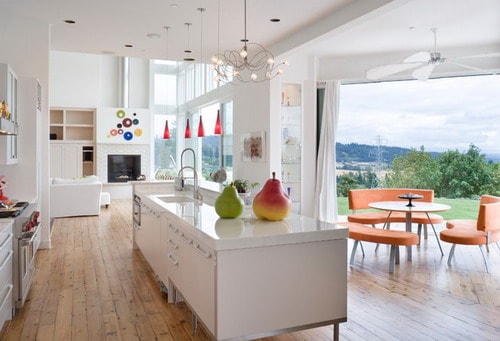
[(228, 204)]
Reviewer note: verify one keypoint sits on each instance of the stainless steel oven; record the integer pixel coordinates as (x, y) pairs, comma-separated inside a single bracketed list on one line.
[(27, 233)]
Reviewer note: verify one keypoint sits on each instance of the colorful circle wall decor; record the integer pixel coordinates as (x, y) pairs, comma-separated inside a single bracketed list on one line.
[(126, 127)]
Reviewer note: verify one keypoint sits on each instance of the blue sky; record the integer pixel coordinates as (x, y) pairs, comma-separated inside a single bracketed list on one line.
[(442, 114)]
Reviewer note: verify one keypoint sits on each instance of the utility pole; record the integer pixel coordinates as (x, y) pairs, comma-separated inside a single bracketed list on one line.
[(380, 142)]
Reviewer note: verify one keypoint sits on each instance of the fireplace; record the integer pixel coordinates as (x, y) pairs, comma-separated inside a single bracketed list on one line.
[(123, 168)]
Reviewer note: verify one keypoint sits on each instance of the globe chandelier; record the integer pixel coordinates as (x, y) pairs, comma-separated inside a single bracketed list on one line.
[(253, 63)]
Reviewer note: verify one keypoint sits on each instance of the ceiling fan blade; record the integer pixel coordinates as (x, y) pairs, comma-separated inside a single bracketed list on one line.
[(387, 70), (419, 57), (484, 55), (423, 73)]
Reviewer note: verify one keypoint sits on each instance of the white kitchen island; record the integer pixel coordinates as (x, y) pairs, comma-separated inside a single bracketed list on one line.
[(246, 278)]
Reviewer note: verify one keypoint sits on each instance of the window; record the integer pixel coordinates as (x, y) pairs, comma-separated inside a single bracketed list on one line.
[(213, 151), (178, 84), (379, 121), (165, 89), (165, 164)]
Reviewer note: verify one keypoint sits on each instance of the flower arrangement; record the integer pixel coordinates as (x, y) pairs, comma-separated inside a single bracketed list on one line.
[(3, 185), (4, 110)]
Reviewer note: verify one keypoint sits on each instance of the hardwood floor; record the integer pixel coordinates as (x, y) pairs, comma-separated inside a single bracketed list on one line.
[(93, 286)]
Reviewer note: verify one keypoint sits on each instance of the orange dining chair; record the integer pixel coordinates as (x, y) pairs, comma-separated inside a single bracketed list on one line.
[(486, 231), (470, 223)]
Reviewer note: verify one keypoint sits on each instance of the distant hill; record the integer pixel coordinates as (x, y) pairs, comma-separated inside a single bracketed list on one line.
[(354, 152), (493, 157)]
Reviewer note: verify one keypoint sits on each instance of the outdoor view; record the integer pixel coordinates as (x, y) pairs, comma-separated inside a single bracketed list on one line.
[(442, 134)]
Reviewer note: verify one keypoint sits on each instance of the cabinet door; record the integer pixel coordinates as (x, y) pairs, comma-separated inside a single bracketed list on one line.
[(8, 150), (203, 271), (71, 161), (56, 160), (65, 160), (164, 249), (187, 282)]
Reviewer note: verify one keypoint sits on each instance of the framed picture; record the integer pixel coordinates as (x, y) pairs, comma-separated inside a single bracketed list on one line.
[(254, 146)]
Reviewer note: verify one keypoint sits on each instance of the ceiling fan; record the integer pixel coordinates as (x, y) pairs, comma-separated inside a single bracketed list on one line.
[(424, 63)]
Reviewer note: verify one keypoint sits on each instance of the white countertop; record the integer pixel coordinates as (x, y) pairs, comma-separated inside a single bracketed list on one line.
[(246, 231)]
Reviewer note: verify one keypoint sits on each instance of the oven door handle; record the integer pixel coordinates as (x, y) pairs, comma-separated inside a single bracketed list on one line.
[(28, 241)]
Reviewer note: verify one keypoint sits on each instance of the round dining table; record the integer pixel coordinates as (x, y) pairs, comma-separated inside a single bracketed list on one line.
[(420, 207)]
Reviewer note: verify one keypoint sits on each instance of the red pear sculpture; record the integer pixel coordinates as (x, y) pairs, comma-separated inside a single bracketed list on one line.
[(272, 203)]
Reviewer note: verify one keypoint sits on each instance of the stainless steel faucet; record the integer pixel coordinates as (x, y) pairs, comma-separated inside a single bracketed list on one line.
[(180, 178), (182, 156), (196, 188)]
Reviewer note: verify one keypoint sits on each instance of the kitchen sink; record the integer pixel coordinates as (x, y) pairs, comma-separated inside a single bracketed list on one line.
[(176, 199)]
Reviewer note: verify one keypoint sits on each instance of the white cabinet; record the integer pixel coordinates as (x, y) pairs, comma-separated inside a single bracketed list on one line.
[(71, 160), (191, 269), (229, 289), (291, 143), (8, 93), (148, 238), (6, 283), (72, 142)]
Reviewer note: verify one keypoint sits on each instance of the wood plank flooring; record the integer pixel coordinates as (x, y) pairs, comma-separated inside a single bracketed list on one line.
[(91, 285)]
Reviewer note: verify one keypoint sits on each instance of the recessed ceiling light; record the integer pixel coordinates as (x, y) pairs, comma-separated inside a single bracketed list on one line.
[(174, 5), (411, 27), (153, 35), (189, 59), (69, 21), (275, 20), (129, 45)]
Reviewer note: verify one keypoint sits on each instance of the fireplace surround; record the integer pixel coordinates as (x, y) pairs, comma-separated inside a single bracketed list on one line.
[(123, 167)]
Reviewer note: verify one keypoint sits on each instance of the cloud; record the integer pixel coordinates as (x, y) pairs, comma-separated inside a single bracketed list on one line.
[(442, 114)]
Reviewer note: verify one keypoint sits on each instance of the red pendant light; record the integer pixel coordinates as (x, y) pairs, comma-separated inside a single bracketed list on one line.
[(166, 132), (187, 132), (201, 130), (218, 126)]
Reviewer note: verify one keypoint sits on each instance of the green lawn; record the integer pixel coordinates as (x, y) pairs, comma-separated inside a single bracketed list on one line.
[(460, 208)]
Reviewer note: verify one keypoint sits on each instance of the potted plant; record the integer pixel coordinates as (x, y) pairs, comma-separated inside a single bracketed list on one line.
[(243, 188)]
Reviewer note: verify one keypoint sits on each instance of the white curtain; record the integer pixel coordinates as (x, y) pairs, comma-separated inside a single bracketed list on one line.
[(326, 182)]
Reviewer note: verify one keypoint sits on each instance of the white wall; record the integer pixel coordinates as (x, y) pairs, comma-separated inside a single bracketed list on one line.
[(74, 80), (109, 81), (25, 46)]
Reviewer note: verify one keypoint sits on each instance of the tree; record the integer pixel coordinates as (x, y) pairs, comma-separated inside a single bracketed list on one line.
[(464, 175), (345, 182), (415, 169)]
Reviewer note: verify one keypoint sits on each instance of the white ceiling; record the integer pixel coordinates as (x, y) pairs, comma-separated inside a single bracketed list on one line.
[(376, 32)]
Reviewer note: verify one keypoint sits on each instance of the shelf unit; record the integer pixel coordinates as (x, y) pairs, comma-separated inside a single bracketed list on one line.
[(72, 124), (291, 142), (72, 137)]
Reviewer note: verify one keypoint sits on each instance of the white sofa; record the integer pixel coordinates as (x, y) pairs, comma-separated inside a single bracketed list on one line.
[(75, 197)]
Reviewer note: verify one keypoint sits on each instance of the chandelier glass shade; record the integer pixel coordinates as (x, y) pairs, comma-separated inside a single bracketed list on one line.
[(187, 132), (218, 125), (166, 131), (253, 63)]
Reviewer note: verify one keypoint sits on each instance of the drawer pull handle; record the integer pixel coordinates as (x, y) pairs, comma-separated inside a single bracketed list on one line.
[(203, 252), (186, 239), (6, 260), (10, 286), (174, 245), (172, 259), (9, 237)]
